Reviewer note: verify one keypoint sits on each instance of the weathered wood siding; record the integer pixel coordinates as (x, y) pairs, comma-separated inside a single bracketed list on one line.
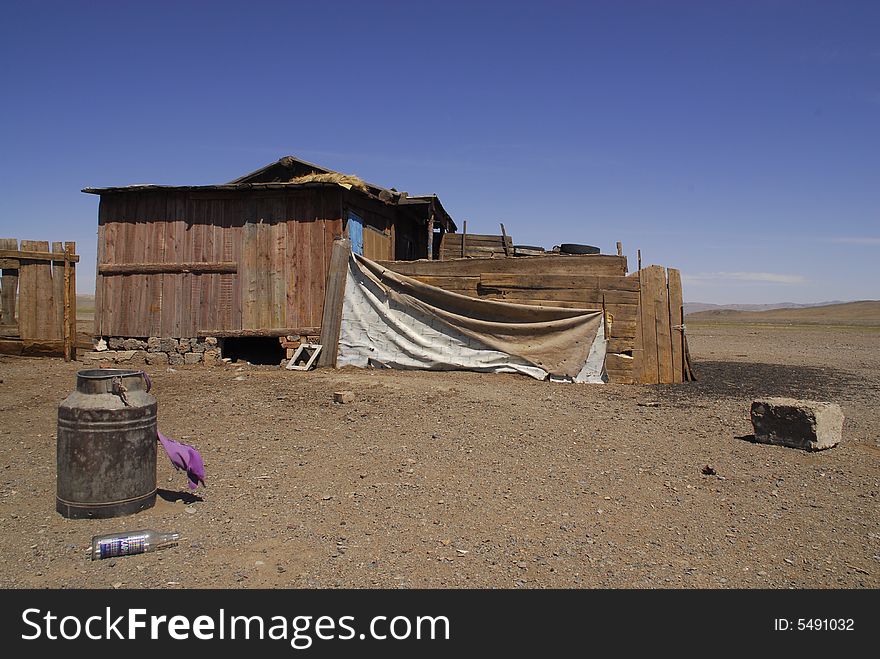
[(279, 239)]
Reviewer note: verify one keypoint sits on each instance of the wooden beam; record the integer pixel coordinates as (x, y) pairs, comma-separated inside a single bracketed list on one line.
[(260, 333), (504, 236), (463, 237), (541, 281), (221, 267), (590, 264), (619, 248), (36, 255), (334, 295), (70, 247), (676, 325), (586, 295), (10, 264), (65, 322)]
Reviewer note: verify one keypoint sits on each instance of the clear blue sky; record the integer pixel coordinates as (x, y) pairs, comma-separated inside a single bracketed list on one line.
[(738, 141)]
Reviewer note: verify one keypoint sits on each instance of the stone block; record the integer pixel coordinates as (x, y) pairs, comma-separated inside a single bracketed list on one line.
[(197, 346), (192, 358), (168, 345), (343, 396), (211, 340), (154, 344), (183, 345), (804, 424), (134, 344), (157, 358), (212, 356), (175, 359), (115, 342)]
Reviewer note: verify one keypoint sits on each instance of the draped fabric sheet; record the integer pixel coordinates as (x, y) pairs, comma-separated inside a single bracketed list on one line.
[(390, 320)]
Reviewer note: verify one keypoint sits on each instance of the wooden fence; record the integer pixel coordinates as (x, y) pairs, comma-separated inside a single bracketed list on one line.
[(38, 297)]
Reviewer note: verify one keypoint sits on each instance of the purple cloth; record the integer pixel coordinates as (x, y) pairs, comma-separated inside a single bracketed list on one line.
[(184, 456)]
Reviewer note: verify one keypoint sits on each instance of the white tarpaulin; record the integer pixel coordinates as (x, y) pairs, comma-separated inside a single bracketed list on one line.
[(393, 321)]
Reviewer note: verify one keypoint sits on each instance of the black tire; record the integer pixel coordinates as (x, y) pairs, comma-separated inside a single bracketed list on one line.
[(574, 248)]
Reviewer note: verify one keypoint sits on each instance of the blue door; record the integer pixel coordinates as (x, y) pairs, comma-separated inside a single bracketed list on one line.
[(356, 233)]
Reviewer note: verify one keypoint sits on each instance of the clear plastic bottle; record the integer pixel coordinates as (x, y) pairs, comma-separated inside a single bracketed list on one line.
[(130, 542)]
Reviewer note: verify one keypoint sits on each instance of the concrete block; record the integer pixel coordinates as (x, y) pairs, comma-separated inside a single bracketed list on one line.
[(804, 424)]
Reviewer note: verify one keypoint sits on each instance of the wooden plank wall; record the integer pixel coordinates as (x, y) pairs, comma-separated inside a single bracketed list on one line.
[(280, 241), (577, 282), (475, 246), (377, 244), (659, 348)]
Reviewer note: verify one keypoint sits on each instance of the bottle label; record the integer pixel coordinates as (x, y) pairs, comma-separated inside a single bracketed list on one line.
[(124, 546)]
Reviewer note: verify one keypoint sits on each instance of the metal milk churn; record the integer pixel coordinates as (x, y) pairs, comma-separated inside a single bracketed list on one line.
[(106, 450)]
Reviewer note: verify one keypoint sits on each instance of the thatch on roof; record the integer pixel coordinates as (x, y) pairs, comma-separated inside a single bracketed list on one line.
[(332, 177)]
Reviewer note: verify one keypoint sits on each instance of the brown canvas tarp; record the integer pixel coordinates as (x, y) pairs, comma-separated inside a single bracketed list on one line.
[(554, 339)]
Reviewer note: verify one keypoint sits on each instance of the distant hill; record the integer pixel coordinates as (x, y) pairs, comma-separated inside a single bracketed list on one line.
[(865, 313), (694, 307)]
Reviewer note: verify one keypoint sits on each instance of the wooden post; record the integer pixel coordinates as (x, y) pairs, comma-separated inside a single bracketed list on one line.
[(639, 252), (333, 298), (431, 236), (619, 248), (605, 333), (73, 259), (65, 326), (504, 240), (463, 237)]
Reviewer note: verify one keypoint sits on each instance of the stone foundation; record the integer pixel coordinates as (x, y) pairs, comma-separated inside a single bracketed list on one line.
[(154, 350)]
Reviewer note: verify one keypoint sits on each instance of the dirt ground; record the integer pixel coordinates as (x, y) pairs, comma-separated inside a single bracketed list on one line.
[(470, 480)]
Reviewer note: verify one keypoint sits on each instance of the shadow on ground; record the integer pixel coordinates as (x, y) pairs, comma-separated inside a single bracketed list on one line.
[(171, 496), (719, 379)]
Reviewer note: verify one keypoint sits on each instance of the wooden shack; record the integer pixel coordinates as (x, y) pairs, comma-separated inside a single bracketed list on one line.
[(247, 258)]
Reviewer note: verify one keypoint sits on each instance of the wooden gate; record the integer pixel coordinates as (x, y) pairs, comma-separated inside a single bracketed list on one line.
[(38, 297)]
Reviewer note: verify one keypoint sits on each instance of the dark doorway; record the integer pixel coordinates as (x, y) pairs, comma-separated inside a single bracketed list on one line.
[(260, 351)]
